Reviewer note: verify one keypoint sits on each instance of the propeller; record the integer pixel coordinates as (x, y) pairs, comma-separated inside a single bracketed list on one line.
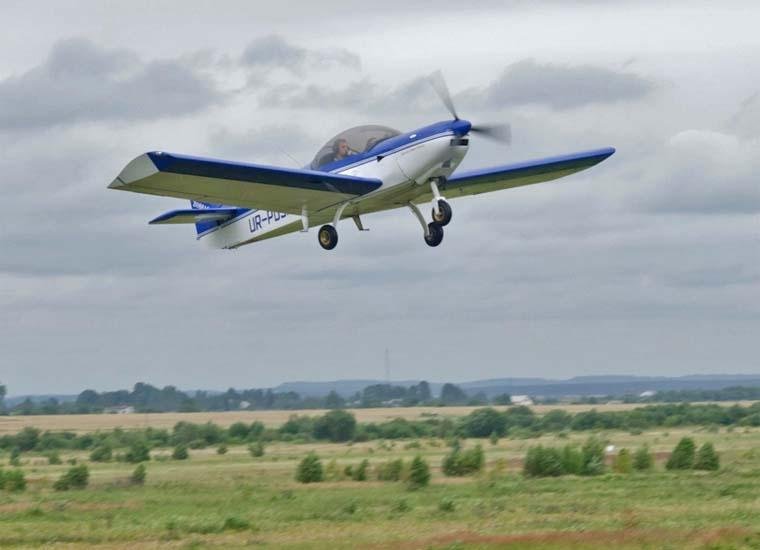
[(498, 132)]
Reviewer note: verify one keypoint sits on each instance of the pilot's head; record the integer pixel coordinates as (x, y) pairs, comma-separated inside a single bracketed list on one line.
[(340, 148)]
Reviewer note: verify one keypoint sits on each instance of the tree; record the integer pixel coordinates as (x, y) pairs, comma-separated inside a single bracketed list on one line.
[(593, 457), (707, 458), (643, 459), (543, 462), (310, 469), (419, 473), (101, 453), (452, 395), (360, 472), (13, 481), (256, 449), (334, 400), (3, 393), (682, 457), (484, 422), (336, 425)]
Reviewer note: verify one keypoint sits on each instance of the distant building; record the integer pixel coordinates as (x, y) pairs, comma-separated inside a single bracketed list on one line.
[(244, 404), (120, 409), (521, 400), (648, 393)]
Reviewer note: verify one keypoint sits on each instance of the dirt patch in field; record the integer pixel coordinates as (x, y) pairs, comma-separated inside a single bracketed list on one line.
[(583, 539)]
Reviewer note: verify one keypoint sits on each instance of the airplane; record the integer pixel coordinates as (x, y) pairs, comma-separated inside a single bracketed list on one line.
[(361, 170)]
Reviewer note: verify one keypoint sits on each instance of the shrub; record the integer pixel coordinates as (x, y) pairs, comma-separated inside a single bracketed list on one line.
[(462, 463), (221, 449), (419, 473), (643, 459), (623, 463), (593, 457), (180, 453), (391, 470), (15, 458), (256, 449), (101, 453), (137, 452), (54, 458), (401, 506), (572, 460), (543, 462), (138, 476), (494, 438), (484, 422), (336, 425), (76, 477), (234, 523), (707, 458), (682, 457), (13, 481), (310, 469), (446, 505), (360, 472)]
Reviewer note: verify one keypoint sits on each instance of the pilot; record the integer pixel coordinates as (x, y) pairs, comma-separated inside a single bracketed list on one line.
[(340, 149)]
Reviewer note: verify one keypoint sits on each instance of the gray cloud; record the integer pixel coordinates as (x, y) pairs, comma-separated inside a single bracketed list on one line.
[(81, 81), (528, 82), (273, 51)]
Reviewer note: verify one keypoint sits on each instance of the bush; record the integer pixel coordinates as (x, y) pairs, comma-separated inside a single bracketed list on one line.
[(15, 458), (256, 449), (180, 453), (221, 449), (101, 453), (360, 472), (234, 523), (310, 469), (336, 425), (138, 476), (682, 457), (137, 452), (446, 505), (76, 478), (592, 453), (391, 470), (572, 460), (623, 463), (484, 422), (462, 463), (643, 459), (13, 481), (543, 462), (707, 458), (419, 473), (54, 458)]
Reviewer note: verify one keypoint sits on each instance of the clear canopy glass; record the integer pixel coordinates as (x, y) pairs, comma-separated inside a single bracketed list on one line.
[(359, 139)]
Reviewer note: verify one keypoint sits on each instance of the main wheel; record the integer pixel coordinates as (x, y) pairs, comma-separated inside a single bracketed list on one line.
[(436, 234), (328, 237), (443, 217)]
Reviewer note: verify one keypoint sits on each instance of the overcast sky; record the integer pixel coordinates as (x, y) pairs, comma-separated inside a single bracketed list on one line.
[(646, 264)]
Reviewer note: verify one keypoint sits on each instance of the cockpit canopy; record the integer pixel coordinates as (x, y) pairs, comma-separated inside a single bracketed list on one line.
[(360, 139)]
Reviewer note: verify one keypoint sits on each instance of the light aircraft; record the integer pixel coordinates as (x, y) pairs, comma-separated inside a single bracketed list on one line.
[(361, 170)]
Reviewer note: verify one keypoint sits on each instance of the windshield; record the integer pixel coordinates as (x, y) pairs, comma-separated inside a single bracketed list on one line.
[(359, 139)]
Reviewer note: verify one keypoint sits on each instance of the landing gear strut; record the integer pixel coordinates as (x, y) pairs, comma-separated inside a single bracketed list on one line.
[(433, 231)]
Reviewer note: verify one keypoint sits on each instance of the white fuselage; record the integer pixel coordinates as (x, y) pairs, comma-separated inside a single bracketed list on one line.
[(401, 170)]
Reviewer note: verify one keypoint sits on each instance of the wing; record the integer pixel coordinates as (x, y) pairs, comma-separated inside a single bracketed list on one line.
[(521, 173), (246, 185)]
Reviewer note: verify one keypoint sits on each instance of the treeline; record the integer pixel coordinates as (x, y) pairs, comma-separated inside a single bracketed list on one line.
[(146, 398), (341, 426)]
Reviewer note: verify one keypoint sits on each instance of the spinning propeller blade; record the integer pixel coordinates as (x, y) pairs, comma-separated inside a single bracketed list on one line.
[(498, 132)]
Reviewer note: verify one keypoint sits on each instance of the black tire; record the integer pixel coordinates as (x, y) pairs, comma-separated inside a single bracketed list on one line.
[(436, 234), (327, 237), (444, 213)]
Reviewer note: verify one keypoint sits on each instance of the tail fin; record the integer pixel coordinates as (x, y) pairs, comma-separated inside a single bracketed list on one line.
[(202, 227)]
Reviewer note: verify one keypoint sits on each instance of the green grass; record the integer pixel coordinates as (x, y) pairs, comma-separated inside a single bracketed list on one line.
[(234, 500)]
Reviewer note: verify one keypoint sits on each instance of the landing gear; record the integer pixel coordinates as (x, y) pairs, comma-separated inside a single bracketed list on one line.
[(435, 234), (442, 215), (328, 237)]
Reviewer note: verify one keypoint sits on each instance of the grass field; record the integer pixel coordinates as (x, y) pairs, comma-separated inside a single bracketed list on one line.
[(82, 423), (234, 500)]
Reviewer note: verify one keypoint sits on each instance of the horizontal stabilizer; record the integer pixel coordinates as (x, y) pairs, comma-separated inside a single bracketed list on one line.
[(197, 216)]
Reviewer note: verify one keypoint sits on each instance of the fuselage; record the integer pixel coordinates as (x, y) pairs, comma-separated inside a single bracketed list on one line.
[(402, 163)]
